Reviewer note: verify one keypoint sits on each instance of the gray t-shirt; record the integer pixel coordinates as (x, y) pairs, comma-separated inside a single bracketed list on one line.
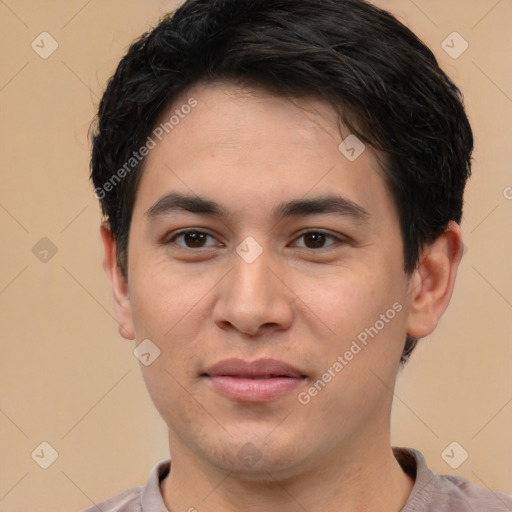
[(432, 492)]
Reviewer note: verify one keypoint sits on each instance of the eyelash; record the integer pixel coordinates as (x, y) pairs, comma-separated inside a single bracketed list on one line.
[(172, 239)]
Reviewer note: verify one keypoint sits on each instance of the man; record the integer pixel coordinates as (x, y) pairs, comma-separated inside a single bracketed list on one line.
[(282, 184)]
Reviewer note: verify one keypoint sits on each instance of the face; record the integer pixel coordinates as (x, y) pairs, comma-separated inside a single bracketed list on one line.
[(287, 248)]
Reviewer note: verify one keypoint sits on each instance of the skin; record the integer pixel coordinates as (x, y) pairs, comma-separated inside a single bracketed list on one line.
[(297, 302)]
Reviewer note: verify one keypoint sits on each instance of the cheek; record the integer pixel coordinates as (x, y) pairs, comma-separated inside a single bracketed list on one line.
[(162, 298), (345, 299), (171, 394), (362, 307), (170, 307)]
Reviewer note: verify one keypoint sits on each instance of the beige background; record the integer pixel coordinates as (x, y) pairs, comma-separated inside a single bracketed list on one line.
[(67, 378)]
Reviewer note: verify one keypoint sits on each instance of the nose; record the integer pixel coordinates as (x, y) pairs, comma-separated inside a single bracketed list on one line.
[(254, 298)]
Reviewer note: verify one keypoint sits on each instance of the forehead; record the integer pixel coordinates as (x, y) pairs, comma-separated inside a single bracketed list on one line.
[(252, 150)]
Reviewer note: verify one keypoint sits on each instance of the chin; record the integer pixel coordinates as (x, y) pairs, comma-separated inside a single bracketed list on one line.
[(256, 458)]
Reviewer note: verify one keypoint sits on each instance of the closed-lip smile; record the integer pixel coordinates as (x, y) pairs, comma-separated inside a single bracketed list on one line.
[(261, 380)]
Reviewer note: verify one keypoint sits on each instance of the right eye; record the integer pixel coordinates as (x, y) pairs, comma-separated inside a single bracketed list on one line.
[(191, 239)]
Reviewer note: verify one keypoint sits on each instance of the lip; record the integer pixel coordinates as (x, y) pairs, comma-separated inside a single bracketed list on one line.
[(262, 380)]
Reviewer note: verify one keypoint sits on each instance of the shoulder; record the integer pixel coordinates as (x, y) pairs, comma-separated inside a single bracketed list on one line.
[(433, 492), (143, 498), (127, 501), (462, 494)]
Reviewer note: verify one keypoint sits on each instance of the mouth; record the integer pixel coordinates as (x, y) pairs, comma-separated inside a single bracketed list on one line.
[(262, 380)]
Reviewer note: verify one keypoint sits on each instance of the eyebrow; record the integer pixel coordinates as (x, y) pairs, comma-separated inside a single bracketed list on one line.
[(174, 202)]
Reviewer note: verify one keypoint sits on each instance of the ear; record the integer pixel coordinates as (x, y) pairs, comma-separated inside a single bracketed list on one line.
[(432, 283), (118, 284)]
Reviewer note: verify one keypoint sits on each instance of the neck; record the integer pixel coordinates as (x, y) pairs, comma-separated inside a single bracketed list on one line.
[(365, 476)]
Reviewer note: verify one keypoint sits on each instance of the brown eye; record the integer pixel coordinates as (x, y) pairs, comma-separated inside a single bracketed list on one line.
[(316, 240), (191, 239), (194, 239)]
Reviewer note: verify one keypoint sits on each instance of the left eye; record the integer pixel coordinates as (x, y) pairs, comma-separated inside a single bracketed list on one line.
[(315, 239)]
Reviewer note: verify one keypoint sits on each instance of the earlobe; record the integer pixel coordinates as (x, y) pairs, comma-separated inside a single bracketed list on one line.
[(432, 283), (118, 284)]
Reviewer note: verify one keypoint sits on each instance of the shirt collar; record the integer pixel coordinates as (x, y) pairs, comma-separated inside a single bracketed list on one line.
[(151, 499)]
